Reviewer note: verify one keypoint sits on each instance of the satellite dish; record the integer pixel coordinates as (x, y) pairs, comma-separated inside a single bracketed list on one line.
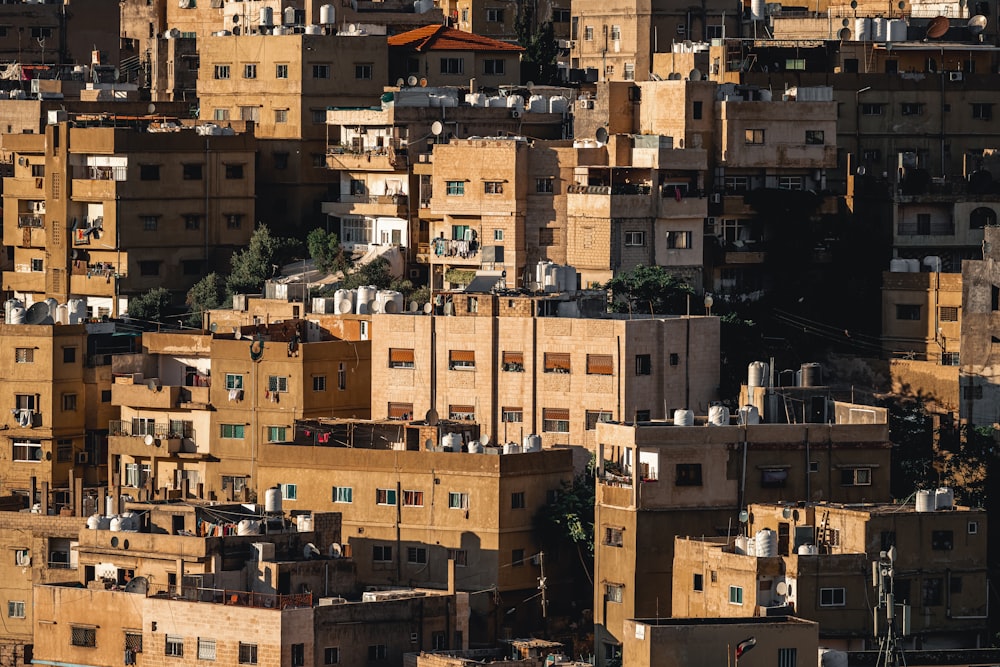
[(977, 24), (529, 85), (601, 135), (117, 74), (344, 306), (845, 22), (431, 417), (400, 82), (854, 4), (336, 551), (238, 335), (437, 127), (236, 19), (938, 27), (138, 585), (484, 440), (781, 588), (149, 440), (414, 306), (37, 314), (428, 308), (744, 516), (423, 82), (151, 108), (786, 512), (844, 34), (310, 551), (429, 444), (694, 75), (411, 81)]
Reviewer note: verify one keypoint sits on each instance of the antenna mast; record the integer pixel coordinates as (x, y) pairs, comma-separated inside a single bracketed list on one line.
[(890, 647)]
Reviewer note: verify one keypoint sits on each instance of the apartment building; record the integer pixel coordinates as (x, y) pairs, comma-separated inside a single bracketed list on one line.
[(445, 56), (555, 366), (56, 32), (978, 391), (37, 549), (104, 213), (197, 408), (410, 508), (661, 480), (921, 313), (820, 568)]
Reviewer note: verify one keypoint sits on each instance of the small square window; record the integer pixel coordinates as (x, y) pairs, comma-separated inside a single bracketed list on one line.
[(248, 654), (331, 655), (192, 172), (281, 115), (517, 500), (319, 383), (234, 171), (24, 355), (699, 582), (250, 71), (364, 71), (753, 137), (281, 71), (735, 595)]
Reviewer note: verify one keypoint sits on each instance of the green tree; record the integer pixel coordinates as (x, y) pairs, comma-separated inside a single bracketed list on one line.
[(207, 294), (375, 272), (540, 46), (324, 248), (570, 519), (649, 289), (153, 306), (257, 262)]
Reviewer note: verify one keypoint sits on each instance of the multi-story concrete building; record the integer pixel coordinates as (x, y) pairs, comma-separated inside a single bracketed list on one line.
[(940, 564), (978, 385), (103, 213), (408, 512), (550, 365), (661, 480), (444, 56), (197, 408), (921, 314), (56, 32)]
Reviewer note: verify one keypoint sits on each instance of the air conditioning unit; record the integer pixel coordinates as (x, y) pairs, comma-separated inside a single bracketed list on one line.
[(515, 114), (23, 557), (716, 198), (956, 76), (565, 44), (38, 207), (83, 457), (586, 104)]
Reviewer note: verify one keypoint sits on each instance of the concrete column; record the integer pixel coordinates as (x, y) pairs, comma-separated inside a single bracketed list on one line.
[(73, 501), (45, 498), (78, 496), (451, 576)]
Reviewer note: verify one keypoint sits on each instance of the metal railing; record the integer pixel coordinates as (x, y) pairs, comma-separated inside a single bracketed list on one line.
[(100, 173), (30, 221), (129, 429), (233, 597)]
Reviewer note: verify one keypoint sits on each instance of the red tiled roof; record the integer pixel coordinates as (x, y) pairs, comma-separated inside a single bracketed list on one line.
[(443, 38)]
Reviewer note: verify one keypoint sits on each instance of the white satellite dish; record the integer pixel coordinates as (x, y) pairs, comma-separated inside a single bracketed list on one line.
[(411, 80), (437, 127), (428, 308), (310, 550), (336, 551), (149, 440), (781, 588), (400, 83)]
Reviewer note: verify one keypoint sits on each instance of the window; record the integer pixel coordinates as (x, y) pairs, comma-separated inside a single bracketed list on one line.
[(678, 240), (192, 222), (494, 15), (544, 185), (319, 383), (513, 362), (982, 111), (458, 500), (385, 496), (220, 114), (629, 74), (318, 117), (69, 402), (699, 582), (931, 592), (377, 652), (248, 654), (192, 172), (149, 268), (737, 184), (37, 264), (735, 595), (461, 360), (136, 475), (341, 377), (512, 415), (942, 540), (753, 137), (787, 657), (950, 359), (400, 411), (614, 536), (790, 182), (588, 33), (497, 236), (557, 362), (343, 494), (555, 420), (832, 597), (907, 311), (517, 557), (277, 434), (613, 593), (674, 359), (560, 15), (517, 500), (331, 655), (24, 355), (289, 491), (27, 451), (298, 655), (773, 478), (234, 482), (15, 609), (600, 364), (595, 417), (250, 71), (871, 109), (105, 396), (453, 65), (234, 431), (460, 556), (856, 477), (281, 115), (221, 71), (413, 498), (149, 172), (381, 554), (911, 109), (80, 636), (494, 66), (493, 187), (206, 649), (321, 71), (234, 381), (973, 528), (174, 646), (64, 450), (948, 313), (363, 71), (635, 239), (643, 364), (150, 222), (454, 188), (277, 383), (688, 474), (416, 555), (281, 71)]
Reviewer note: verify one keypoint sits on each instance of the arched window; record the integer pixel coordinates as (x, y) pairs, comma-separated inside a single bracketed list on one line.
[(982, 217)]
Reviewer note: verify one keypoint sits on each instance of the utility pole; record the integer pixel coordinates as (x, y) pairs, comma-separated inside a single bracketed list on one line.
[(542, 585)]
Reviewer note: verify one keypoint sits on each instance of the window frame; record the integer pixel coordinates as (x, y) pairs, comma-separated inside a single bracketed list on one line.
[(833, 596)]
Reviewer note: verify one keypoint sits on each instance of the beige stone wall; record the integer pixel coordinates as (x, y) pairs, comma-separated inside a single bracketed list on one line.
[(929, 336)]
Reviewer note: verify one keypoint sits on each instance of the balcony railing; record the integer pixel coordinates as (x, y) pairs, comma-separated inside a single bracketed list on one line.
[(232, 597), (130, 429), (397, 200), (100, 173), (30, 221), (620, 189), (936, 228)]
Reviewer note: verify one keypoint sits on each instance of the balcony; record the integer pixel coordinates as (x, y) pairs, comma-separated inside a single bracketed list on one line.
[(24, 188), (606, 201), (453, 251), (931, 228), (94, 189), (371, 205), (24, 280), (30, 222), (342, 159), (689, 205), (129, 439), (236, 598), (142, 396)]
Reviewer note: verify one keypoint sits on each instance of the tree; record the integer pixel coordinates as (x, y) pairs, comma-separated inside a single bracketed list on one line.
[(375, 272), (207, 294), (324, 248), (153, 306), (540, 45), (570, 518), (649, 289), (257, 262)]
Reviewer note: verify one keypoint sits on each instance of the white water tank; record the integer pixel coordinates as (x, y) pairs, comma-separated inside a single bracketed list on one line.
[(683, 418), (532, 443), (475, 99), (718, 415), (540, 272), (740, 545), (272, 499), (116, 523), (515, 102), (130, 521), (757, 374), (511, 448), (496, 102), (94, 521), (62, 314), (16, 315), (863, 29), (266, 17), (926, 501), (109, 507), (914, 265), (52, 304), (327, 14), (279, 30), (933, 263), (475, 447), (766, 541), (289, 16), (314, 30), (758, 10), (558, 104), (452, 442), (304, 523), (537, 104), (944, 498), (880, 29), (366, 295), (389, 301), (898, 265), (248, 527), (807, 550), (77, 311), (8, 306), (897, 30), (749, 415)]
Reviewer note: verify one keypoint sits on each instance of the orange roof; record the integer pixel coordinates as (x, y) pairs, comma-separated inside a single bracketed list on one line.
[(443, 38)]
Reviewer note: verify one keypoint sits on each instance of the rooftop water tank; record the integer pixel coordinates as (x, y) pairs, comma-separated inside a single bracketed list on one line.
[(812, 375), (558, 104), (77, 311), (897, 30), (537, 104), (314, 30), (272, 500), (926, 501), (289, 16), (758, 10), (514, 102), (749, 415), (933, 263), (62, 314), (512, 448), (266, 17), (898, 265), (389, 301), (9, 305), (304, 523), (94, 521), (366, 295), (766, 542), (718, 415), (683, 418), (532, 443), (863, 29), (475, 447), (452, 442), (248, 527), (757, 374), (807, 550), (944, 498), (327, 14), (914, 265), (116, 523), (880, 29), (16, 315)]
